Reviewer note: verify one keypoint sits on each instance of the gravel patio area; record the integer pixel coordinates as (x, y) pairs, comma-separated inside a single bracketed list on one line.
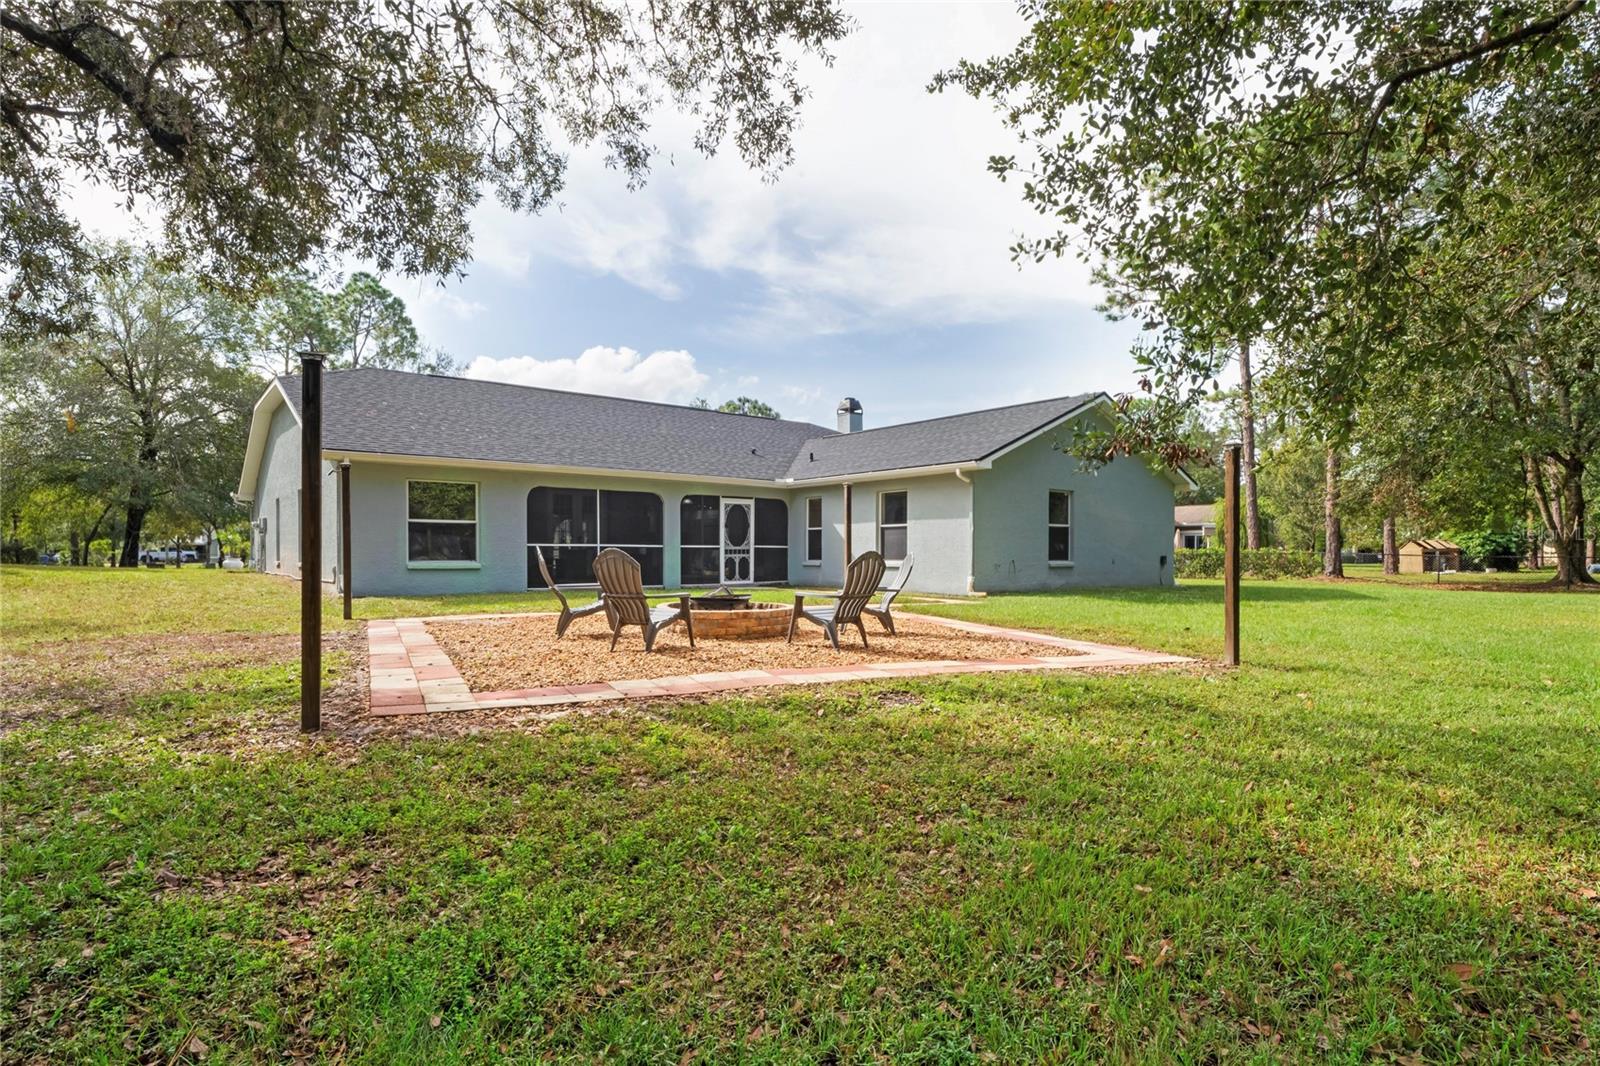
[(521, 653)]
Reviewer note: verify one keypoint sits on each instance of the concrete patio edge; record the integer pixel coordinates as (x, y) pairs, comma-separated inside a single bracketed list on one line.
[(409, 673)]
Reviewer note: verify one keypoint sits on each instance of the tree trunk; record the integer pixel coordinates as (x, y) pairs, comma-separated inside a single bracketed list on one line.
[(1247, 459), (1332, 562), (1561, 505), (1391, 551), (132, 530), (94, 530)]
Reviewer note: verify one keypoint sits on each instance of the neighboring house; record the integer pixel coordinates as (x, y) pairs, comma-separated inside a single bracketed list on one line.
[(1428, 556), (1194, 525), (453, 482)]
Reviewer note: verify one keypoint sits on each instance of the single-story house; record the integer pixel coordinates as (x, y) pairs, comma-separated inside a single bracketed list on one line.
[(454, 482), (1427, 555), (1194, 525)]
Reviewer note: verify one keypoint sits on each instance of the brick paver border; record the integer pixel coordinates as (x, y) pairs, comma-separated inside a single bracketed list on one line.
[(411, 674)]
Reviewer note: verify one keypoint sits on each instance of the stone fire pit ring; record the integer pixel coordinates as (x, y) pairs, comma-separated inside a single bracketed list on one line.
[(753, 621)]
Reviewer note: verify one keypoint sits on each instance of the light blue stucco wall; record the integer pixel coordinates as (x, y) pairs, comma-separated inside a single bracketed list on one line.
[(378, 518), (278, 495), (278, 499), (1121, 521), (938, 532)]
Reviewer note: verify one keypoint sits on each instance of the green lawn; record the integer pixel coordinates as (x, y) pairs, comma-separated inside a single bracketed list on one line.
[(1376, 840), (1374, 572)]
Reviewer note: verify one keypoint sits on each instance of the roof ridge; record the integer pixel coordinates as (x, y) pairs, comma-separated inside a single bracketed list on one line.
[(1076, 397), (574, 392)]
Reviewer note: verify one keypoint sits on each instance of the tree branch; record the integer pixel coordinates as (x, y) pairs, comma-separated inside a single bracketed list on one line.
[(63, 44), (1392, 84)]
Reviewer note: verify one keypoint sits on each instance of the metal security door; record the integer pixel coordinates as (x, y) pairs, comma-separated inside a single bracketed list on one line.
[(738, 537)]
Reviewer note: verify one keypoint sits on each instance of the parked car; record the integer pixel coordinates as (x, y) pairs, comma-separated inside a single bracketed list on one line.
[(1594, 568), (169, 555), (49, 558)]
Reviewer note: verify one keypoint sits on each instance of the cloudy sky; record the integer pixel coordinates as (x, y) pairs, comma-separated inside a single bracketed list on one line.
[(876, 266)]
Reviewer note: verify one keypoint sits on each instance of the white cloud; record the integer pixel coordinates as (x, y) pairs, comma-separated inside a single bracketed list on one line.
[(670, 376), (888, 217), (802, 395), (434, 298)]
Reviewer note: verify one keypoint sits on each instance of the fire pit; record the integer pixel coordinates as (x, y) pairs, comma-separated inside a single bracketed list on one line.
[(728, 615), (720, 598)]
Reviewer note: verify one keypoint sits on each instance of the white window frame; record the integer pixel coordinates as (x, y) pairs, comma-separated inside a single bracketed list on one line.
[(906, 525), (809, 561), (1067, 525), (476, 562)]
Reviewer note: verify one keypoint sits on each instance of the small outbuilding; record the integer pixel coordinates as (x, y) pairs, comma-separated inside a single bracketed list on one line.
[(1194, 525), (1428, 555)]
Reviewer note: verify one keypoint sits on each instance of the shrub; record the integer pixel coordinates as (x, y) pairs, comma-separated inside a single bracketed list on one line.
[(1485, 547), (1266, 564)]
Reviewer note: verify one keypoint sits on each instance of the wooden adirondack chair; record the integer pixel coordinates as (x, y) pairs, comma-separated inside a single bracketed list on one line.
[(622, 594), (567, 613), (860, 582), (881, 611)]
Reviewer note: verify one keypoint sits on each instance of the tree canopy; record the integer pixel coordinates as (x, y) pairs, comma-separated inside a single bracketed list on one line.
[(144, 410), (273, 135), (359, 323), (1377, 193)]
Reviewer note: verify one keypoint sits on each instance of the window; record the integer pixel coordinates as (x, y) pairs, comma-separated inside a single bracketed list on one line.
[(572, 525), (700, 539), (892, 525), (1194, 540), (441, 523), (772, 540), (277, 532), (814, 529), (1060, 527)]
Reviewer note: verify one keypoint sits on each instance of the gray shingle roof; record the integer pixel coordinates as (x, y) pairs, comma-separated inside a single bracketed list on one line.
[(934, 442), (397, 413)]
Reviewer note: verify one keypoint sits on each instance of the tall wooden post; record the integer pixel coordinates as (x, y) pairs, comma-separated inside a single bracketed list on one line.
[(310, 542), (847, 525), (344, 533), (1230, 550)]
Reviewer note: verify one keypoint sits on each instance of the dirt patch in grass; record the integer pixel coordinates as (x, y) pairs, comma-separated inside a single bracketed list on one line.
[(501, 654), (57, 679)]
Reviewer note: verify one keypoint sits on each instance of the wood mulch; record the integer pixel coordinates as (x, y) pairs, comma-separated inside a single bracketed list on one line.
[(519, 653)]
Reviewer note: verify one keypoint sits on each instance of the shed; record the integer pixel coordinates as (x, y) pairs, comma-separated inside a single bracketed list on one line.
[(1427, 555)]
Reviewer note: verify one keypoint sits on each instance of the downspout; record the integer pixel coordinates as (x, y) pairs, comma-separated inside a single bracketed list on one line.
[(971, 548)]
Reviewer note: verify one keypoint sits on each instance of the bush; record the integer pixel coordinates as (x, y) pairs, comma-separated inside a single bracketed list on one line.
[(14, 551), (1485, 548), (1266, 564)]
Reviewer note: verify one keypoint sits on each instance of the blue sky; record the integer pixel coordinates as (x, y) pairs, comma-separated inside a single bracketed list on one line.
[(876, 266)]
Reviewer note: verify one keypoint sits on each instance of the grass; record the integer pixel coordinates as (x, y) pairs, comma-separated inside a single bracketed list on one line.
[(1374, 572), (1376, 840)]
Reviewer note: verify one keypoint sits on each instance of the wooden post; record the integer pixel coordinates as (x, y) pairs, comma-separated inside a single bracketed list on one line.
[(344, 533), (1230, 566), (847, 523), (310, 542)]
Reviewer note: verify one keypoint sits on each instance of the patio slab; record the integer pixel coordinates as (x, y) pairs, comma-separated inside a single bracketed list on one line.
[(412, 674)]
